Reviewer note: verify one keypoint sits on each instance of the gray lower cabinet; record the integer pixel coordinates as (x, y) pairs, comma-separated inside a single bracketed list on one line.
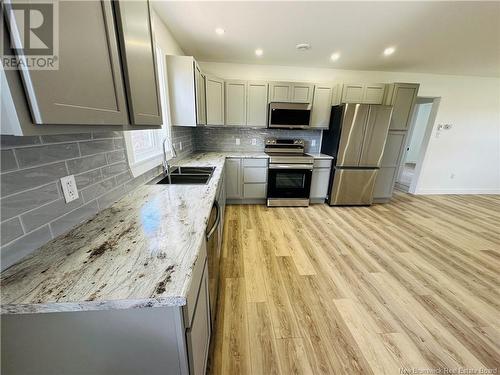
[(320, 180), (155, 341), (198, 335), (246, 180), (233, 179), (139, 64)]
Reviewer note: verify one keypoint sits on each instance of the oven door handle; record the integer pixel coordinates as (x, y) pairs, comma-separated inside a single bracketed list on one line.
[(291, 166)]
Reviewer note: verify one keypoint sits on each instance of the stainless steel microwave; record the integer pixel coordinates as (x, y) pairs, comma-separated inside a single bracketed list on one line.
[(289, 115)]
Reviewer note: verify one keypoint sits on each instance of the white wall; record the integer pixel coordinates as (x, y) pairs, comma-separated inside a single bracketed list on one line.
[(164, 38), (470, 151), (417, 135)]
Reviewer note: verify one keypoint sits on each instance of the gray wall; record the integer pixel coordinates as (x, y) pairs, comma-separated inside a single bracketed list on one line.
[(223, 139), (33, 209)]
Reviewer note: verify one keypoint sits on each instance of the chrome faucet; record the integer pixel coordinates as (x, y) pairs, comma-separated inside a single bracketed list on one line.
[(173, 154)]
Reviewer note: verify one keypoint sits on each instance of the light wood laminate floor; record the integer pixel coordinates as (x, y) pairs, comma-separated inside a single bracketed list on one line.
[(340, 290)]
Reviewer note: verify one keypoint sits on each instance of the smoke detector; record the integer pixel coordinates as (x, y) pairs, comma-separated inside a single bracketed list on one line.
[(303, 46)]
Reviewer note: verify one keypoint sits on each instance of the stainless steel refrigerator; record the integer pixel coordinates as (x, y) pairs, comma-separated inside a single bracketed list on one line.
[(356, 139)]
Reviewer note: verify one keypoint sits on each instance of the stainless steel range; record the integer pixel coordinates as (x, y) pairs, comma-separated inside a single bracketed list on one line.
[(289, 173)]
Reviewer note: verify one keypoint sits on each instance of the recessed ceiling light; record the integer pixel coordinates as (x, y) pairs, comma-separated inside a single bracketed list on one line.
[(259, 52), (389, 51), (303, 46), (220, 31), (335, 56)]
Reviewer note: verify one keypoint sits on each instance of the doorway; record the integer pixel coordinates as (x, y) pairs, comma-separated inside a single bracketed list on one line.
[(422, 122)]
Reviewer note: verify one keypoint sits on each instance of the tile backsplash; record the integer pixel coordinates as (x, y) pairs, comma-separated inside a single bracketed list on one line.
[(224, 139), (185, 136), (32, 207)]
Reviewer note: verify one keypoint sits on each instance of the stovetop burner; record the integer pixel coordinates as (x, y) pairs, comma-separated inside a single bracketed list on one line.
[(287, 151)]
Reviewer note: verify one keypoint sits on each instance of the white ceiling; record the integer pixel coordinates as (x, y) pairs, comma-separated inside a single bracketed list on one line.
[(437, 37)]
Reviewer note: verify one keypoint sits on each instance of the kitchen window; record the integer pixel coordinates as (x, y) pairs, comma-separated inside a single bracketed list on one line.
[(145, 147)]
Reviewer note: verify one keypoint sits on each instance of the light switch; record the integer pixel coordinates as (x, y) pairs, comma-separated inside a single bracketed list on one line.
[(254, 142), (237, 140), (313, 142), (69, 188), (180, 146)]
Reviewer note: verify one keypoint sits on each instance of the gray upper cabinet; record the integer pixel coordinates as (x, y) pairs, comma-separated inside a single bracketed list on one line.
[(402, 97), (322, 106), (257, 104), (352, 93), (374, 94), (291, 92), (201, 100), (302, 92), (214, 91), (186, 88), (139, 62), (87, 88), (246, 103), (236, 103), (363, 93), (280, 91)]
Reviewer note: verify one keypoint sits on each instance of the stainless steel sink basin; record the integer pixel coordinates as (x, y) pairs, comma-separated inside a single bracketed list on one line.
[(185, 179), (193, 170), (186, 176)]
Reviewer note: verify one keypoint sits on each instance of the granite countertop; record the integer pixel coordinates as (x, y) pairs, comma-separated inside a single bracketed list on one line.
[(321, 156), (137, 253)]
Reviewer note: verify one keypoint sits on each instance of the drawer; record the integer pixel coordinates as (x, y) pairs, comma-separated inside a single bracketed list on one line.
[(254, 175), (254, 191), (196, 279), (322, 163), (255, 162)]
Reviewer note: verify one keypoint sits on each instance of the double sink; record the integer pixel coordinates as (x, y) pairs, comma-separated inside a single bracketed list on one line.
[(188, 176)]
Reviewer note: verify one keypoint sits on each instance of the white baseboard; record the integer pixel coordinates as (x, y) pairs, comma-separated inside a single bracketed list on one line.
[(457, 191)]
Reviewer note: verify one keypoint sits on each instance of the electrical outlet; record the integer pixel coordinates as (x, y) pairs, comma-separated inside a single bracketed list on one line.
[(254, 142), (237, 140), (313, 142), (180, 146), (69, 188)]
